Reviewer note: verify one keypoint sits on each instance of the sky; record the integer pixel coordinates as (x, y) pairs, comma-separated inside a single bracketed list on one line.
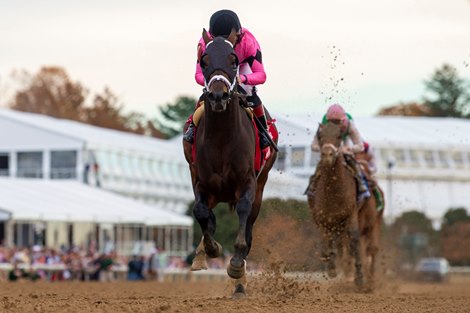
[(364, 54)]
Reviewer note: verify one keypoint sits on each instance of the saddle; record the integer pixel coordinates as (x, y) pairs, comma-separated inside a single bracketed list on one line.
[(261, 156)]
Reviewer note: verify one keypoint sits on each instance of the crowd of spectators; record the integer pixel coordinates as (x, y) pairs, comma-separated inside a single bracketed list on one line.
[(80, 264)]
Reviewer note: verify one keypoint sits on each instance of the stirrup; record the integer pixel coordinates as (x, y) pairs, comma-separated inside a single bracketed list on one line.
[(263, 141), (363, 196), (189, 134)]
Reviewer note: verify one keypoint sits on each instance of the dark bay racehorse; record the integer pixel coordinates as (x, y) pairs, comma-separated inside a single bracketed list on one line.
[(333, 203), (224, 167)]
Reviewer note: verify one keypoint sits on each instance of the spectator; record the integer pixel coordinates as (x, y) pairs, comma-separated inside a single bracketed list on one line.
[(153, 264), (135, 268)]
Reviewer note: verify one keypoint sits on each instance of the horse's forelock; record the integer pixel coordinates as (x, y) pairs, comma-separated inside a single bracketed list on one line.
[(329, 133)]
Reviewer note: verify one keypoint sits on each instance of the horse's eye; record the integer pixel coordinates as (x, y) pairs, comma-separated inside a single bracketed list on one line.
[(225, 96), (203, 62), (210, 96)]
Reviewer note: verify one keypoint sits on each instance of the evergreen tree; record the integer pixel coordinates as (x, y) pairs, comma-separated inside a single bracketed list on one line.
[(450, 94), (174, 115)]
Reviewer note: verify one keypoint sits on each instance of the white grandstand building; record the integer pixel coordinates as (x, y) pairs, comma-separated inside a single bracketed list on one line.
[(429, 158), (68, 182), (49, 173)]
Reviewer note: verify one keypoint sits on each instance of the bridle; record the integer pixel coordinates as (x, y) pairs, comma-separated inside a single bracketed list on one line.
[(229, 84), (332, 146)]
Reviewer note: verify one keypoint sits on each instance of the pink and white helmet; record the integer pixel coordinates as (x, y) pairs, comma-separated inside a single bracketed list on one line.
[(336, 112)]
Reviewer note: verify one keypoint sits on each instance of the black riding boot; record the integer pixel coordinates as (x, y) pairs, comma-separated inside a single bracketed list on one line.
[(263, 140), (189, 134)]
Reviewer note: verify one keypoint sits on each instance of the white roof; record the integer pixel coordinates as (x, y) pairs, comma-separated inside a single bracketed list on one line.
[(54, 200), (92, 135), (394, 131)]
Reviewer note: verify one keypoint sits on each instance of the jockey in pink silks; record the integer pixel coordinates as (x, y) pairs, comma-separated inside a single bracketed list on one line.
[(351, 143), (251, 71)]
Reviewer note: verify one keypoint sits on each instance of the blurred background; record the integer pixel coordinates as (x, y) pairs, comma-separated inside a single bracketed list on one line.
[(93, 97)]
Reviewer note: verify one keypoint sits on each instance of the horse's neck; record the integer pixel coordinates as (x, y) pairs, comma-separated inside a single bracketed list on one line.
[(222, 124), (332, 174)]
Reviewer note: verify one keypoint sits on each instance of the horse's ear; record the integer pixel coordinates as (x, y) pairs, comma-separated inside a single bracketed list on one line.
[(320, 126), (205, 36), (233, 37)]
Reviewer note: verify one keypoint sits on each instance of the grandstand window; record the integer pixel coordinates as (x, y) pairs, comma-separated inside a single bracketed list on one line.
[(63, 164), (23, 234), (155, 170), (457, 159), (29, 164), (443, 159), (385, 156), (126, 164), (102, 158), (4, 164), (281, 159), (147, 166), (113, 161), (429, 158), (140, 165), (298, 156), (414, 158), (400, 157), (314, 159)]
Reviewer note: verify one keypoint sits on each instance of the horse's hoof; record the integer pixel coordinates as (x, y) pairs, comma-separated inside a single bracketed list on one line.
[(199, 264), (332, 273), (359, 281), (239, 293), (236, 272), (211, 251)]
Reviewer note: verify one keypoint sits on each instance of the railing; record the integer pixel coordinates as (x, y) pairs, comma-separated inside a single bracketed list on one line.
[(184, 274)]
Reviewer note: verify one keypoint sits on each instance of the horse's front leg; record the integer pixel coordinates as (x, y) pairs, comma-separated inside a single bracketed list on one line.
[(207, 221), (355, 249), (328, 254), (236, 267)]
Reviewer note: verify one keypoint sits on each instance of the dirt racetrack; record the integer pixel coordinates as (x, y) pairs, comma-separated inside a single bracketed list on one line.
[(206, 297)]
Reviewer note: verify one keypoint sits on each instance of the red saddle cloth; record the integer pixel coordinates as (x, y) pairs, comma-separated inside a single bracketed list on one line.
[(260, 155)]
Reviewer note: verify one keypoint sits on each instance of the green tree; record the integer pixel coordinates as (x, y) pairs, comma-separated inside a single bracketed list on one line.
[(413, 222), (454, 216), (414, 235), (174, 115), (450, 94)]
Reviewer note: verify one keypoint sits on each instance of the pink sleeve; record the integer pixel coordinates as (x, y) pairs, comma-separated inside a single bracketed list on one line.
[(258, 76), (199, 76), (252, 55), (201, 47)]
